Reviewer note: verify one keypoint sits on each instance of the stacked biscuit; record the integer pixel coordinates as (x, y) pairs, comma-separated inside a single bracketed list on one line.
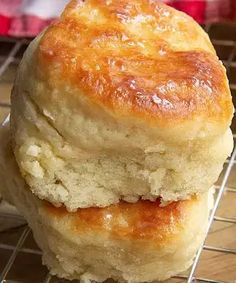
[(119, 127)]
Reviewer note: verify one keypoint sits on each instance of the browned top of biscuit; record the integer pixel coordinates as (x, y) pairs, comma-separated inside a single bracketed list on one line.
[(136, 58), (141, 220)]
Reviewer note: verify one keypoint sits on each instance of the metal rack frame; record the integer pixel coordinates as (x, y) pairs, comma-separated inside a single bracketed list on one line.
[(18, 248)]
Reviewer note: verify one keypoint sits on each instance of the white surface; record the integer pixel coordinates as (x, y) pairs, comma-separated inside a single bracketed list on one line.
[(44, 8)]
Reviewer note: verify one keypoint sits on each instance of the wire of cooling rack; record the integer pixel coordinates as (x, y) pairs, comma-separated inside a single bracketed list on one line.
[(229, 62)]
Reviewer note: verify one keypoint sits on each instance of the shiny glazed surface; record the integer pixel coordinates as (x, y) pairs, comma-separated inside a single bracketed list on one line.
[(139, 57)]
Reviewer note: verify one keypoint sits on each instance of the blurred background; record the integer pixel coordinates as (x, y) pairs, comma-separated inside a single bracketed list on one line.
[(26, 18)]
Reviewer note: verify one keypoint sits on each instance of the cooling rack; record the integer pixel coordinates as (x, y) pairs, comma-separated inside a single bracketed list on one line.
[(20, 258)]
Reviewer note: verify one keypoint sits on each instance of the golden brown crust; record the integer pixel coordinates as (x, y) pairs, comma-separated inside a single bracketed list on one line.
[(141, 220), (138, 58)]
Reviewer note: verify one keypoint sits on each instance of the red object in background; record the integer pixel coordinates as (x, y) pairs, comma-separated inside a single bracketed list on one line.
[(206, 11), (5, 23), (27, 25), (22, 26), (26, 18), (196, 9)]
